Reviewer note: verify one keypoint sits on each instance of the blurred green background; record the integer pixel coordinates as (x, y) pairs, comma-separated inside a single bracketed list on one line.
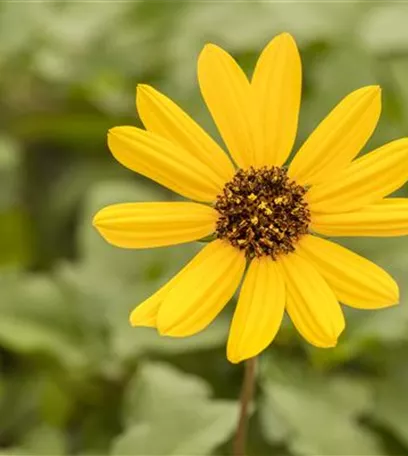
[(75, 378)]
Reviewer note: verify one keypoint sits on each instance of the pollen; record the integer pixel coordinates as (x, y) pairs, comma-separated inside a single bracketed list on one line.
[(263, 212)]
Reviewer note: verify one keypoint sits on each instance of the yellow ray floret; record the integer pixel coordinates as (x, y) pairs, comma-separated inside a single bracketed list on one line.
[(194, 302), (227, 93), (338, 138), (276, 86), (365, 181), (164, 162), (311, 303), (162, 116), (259, 311), (146, 225), (355, 281), (388, 217)]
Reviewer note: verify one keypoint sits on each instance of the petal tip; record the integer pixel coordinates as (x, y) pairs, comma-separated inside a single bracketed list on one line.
[(143, 89), (234, 354), (287, 36), (332, 344), (112, 132), (391, 293), (341, 327), (138, 318), (133, 320), (374, 90), (210, 48), (164, 330), (96, 220), (377, 93), (234, 359), (328, 343), (395, 295)]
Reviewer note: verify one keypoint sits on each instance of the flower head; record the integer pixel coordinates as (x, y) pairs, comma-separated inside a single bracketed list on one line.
[(266, 219)]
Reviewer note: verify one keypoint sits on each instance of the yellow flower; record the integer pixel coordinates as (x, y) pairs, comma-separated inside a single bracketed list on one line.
[(265, 217)]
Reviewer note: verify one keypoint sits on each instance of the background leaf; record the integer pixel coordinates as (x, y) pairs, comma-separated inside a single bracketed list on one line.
[(169, 412)]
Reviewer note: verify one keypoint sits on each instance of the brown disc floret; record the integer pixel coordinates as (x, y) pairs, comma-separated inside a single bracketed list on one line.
[(262, 211)]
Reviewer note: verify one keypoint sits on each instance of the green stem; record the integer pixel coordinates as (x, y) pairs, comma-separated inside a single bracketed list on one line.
[(247, 392)]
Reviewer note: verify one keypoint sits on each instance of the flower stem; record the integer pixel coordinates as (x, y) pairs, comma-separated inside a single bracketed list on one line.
[(247, 392)]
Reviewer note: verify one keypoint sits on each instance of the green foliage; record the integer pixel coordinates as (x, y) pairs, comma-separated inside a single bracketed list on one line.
[(305, 403), (75, 378), (169, 412)]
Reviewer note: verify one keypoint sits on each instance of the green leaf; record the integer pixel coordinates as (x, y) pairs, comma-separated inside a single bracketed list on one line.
[(398, 69), (132, 342), (55, 403), (102, 309), (10, 171), (384, 30), (26, 21), (391, 401), (357, 69), (316, 414), (43, 440), (35, 318), (15, 238), (169, 412)]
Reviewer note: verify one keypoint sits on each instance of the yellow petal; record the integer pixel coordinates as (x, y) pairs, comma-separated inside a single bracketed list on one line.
[(166, 163), (277, 85), (388, 217), (259, 311), (365, 181), (194, 302), (355, 280), (311, 304), (162, 116), (338, 138), (227, 93), (145, 314), (145, 225)]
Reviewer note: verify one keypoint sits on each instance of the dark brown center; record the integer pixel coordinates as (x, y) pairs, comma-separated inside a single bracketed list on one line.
[(263, 212)]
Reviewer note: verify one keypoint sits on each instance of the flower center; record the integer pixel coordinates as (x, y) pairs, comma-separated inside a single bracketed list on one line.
[(262, 211)]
